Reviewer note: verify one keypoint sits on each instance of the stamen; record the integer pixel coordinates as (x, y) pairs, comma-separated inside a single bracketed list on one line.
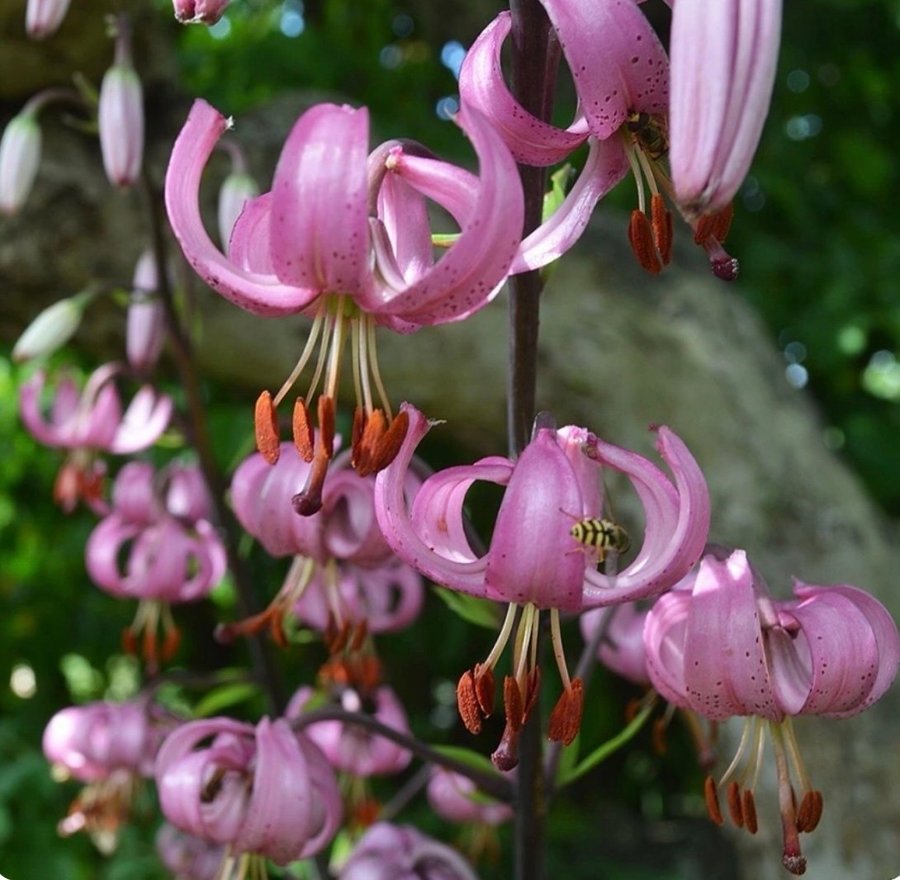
[(733, 793), (302, 430), (360, 632), (172, 638), (503, 638), (792, 858), (373, 365), (714, 226), (390, 442), (712, 801), (265, 425), (513, 704), (748, 806), (304, 357), (565, 719), (640, 236), (356, 431), (467, 702), (484, 688), (326, 425), (658, 733), (558, 652), (661, 225), (810, 811)]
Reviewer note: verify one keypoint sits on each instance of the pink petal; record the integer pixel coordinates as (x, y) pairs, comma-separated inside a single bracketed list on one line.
[(257, 293), (250, 245), (318, 219), (482, 86)]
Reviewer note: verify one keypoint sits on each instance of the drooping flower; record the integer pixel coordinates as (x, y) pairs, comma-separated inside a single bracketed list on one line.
[(157, 545), (728, 648), (621, 75), (264, 792), (145, 320), (534, 563), (43, 17), (121, 114), (109, 746), (345, 239), (401, 852), (344, 580), (456, 798), (88, 422), (724, 57)]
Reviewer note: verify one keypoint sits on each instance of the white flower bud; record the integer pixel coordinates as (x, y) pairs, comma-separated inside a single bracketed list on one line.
[(51, 329), (20, 155)]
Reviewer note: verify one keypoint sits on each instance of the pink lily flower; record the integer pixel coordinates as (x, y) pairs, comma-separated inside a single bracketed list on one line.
[(344, 238), (264, 792), (352, 749), (88, 422), (621, 75), (724, 57), (344, 577), (172, 553), (121, 114), (727, 648), (43, 17), (534, 563), (402, 852), (622, 647), (109, 746), (186, 856)]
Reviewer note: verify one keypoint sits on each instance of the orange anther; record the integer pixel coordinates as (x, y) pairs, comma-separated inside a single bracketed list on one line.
[(810, 811), (733, 794), (359, 635), (748, 807), (712, 801), (658, 736), (565, 719), (326, 425), (661, 226), (171, 643), (390, 442), (640, 236), (303, 432), (265, 426), (467, 702), (513, 704)]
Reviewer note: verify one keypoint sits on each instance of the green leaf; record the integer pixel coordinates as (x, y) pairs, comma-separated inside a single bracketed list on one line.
[(480, 612), (472, 759), (604, 750), (553, 198), (223, 696)]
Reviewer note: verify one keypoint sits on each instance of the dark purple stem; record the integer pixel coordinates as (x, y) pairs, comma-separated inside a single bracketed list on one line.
[(535, 55)]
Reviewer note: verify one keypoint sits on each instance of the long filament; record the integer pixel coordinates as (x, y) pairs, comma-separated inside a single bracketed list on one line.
[(558, 653), (334, 356), (364, 359), (373, 367), (356, 357), (304, 357), (328, 332), (503, 638)]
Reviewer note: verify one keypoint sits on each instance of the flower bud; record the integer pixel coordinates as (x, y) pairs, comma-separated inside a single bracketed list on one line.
[(20, 154), (121, 116), (43, 17), (145, 328), (199, 11), (237, 189), (51, 329)]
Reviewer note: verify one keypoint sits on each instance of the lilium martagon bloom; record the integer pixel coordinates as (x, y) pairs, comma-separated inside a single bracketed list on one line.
[(534, 562), (727, 648), (343, 237), (263, 792), (622, 77)]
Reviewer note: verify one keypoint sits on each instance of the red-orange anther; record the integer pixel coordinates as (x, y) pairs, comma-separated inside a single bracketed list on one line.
[(265, 426)]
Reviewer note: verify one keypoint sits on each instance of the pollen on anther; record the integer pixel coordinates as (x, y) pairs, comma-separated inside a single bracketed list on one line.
[(712, 801), (302, 430), (735, 808), (640, 236), (265, 424), (748, 808), (467, 703)]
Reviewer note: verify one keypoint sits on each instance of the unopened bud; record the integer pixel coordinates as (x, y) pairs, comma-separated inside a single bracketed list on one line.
[(199, 11), (145, 324), (51, 329), (20, 154), (237, 189), (121, 121), (43, 17)]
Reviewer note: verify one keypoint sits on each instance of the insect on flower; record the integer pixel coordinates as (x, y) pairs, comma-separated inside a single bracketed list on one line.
[(602, 536)]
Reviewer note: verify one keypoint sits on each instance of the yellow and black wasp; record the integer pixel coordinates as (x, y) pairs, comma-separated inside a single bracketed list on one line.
[(602, 536), (651, 134)]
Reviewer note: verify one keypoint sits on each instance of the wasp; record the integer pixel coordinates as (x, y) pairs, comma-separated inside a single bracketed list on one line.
[(603, 536), (651, 133)]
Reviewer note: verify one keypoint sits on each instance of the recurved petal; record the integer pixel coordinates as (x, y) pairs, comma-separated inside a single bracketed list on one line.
[(676, 520), (482, 86), (144, 421), (392, 510), (469, 274), (664, 632), (606, 165), (249, 245), (319, 212), (258, 293), (616, 59)]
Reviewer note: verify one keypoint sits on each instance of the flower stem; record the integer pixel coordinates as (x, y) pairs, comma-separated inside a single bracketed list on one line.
[(535, 56), (261, 655)]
